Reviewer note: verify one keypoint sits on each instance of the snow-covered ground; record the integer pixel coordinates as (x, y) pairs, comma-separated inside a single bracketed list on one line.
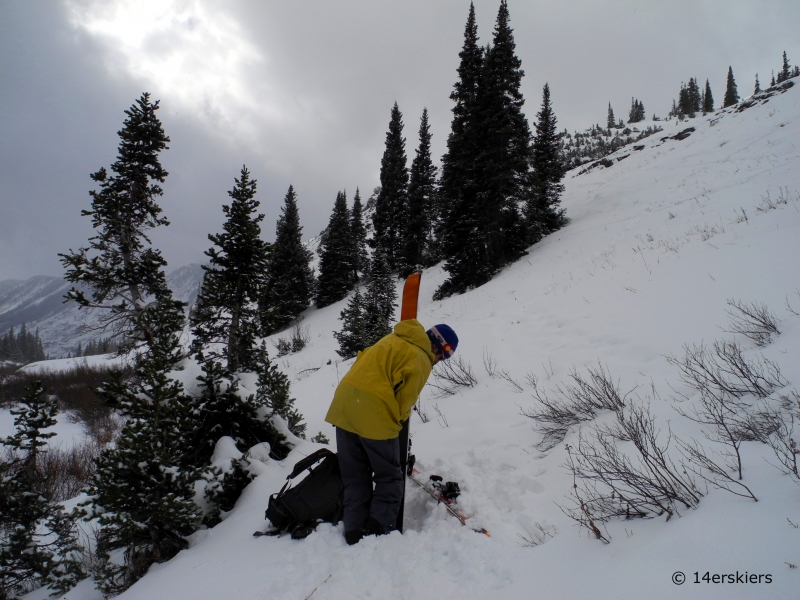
[(656, 246)]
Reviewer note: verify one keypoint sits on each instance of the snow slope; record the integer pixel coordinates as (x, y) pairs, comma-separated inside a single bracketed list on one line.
[(653, 251)]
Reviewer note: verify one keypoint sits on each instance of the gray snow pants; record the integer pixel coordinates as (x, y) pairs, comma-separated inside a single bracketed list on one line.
[(364, 462)]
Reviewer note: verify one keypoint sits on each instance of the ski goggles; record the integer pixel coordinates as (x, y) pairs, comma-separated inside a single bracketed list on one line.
[(444, 345)]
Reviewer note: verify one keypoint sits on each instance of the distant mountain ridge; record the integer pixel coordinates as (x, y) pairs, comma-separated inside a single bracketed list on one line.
[(39, 303)]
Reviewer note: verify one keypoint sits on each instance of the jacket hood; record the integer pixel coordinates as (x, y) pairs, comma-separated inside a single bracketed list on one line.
[(413, 332)]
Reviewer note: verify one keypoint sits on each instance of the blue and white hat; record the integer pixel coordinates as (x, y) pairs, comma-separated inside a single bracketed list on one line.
[(445, 339)]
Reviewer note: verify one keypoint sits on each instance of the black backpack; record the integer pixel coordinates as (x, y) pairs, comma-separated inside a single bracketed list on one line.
[(318, 498)]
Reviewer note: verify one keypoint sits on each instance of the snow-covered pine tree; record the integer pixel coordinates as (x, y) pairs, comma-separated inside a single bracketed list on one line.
[(611, 121), (358, 234), (418, 248), (731, 93), (542, 208), (220, 410), (351, 338), (708, 99), (460, 235), (290, 280), (335, 278), (273, 394), (38, 543), (380, 300), (120, 266), (757, 87), (503, 163), (142, 492), (226, 318), (389, 218)]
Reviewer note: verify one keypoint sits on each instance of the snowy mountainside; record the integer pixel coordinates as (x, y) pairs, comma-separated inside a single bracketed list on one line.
[(659, 241), (39, 302)]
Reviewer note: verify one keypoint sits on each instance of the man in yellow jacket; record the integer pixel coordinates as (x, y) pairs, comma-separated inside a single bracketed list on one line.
[(369, 406)]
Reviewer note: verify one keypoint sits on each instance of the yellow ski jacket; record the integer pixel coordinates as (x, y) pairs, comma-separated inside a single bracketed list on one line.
[(382, 386)]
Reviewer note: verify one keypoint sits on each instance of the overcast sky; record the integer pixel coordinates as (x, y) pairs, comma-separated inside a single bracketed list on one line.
[(301, 91)]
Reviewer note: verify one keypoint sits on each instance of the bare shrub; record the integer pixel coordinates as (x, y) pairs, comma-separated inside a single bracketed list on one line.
[(609, 484), (423, 414), (789, 306), (489, 363), (442, 420), (781, 439), (538, 537), (766, 204), (705, 467), (740, 218), (451, 374), (574, 403), (753, 320), (723, 369), (65, 472), (298, 338)]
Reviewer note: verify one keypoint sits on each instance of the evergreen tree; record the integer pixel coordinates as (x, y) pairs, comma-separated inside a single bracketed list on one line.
[(503, 162), (757, 87), (38, 543), (380, 300), (390, 213), (273, 394), (122, 269), (693, 91), (708, 99), (785, 69), (772, 81), (24, 347), (684, 102), (336, 256), (352, 337), (461, 239), (418, 241), (290, 279), (637, 111), (542, 211), (611, 121), (221, 411), (142, 491), (731, 93), (358, 234), (226, 311), (458, 162)]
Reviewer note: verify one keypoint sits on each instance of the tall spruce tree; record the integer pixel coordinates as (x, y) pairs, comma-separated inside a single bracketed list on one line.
[(336, 256), (461, 240), (731, 93), (290, 280), (122, 269), (542, 208), (786, 71), (380, 300), (757, 86), (391, 207), (611, 121), (708, 99), (358, 234), (352, 337), (225, 318), (418, 235), (142, 493), (38, 542), (502, 166)]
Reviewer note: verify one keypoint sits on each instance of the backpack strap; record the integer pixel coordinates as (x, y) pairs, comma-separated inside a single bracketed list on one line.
[(308, 462)]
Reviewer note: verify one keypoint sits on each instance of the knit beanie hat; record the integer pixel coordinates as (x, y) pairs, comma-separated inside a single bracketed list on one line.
[(444, 338)]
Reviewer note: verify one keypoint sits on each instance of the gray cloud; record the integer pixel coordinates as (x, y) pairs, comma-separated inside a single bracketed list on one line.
[(301, 93)]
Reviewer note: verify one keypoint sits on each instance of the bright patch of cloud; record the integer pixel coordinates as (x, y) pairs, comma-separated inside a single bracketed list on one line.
[(195, 54)]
